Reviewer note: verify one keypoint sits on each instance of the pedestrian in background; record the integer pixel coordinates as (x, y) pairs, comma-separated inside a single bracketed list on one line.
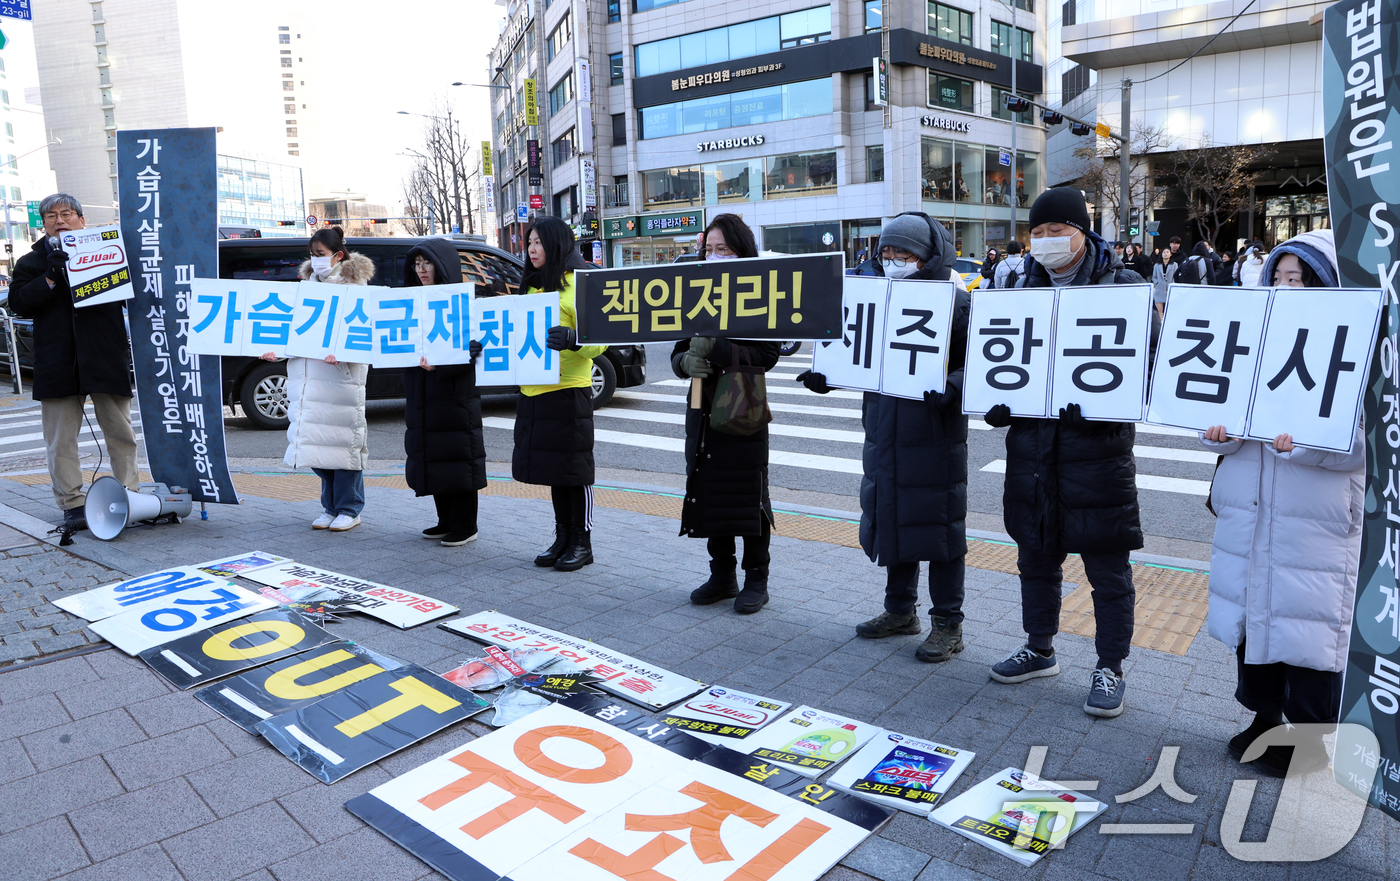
[(1196, 268), (1250, 267), (326, 399), (1163, 274), (78, 354), (554, 423), (1011, 267), (1071, 484), (1141, 263), (913, 489), (1285, 557), (443, 441), (726, 483), (989, 267)]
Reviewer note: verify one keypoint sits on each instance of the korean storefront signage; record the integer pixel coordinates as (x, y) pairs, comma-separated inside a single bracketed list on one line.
[(730, 143), (532, 103), (721, 76), (675, 223), (486, 158), (620, 227), (954, 56), (946, 123)]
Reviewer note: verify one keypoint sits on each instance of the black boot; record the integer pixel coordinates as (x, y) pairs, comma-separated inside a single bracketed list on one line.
[(754, 596), (551, 555), (579, 552), (723, 585)]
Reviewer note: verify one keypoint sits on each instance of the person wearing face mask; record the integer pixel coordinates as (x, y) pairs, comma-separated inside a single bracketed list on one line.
[(726, 485), (1071, 484), (443, 442), (913, 491), (326, 399), (1285, 557)]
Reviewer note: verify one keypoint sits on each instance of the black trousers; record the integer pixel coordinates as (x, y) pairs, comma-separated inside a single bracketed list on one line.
[(1301, 694), (1111, 580), (573, 506), (946, 587), (722, 549), (457, 511)]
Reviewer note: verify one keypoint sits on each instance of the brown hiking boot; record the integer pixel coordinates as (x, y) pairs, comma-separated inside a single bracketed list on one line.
[(944, 641)]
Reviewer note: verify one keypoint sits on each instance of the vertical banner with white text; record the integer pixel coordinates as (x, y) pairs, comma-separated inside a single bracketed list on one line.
[(167, 183)]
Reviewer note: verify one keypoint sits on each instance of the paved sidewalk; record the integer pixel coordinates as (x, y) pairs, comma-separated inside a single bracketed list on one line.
[(105, 772)]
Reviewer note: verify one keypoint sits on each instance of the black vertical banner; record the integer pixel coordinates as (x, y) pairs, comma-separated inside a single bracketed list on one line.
[(167, 183), (1361, 100)]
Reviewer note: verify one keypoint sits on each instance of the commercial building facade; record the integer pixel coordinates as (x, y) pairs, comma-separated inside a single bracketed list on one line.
[(768, 110)]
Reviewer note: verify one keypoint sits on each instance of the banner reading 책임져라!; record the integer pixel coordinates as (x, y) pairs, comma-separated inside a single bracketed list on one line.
[(761, 298), (167, 182), (1359, 87)]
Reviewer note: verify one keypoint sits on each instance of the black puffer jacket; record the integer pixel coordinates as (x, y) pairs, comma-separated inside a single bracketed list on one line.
[(726, 486), (1073, 489), (913, 494), (443, 439), (76, 351)]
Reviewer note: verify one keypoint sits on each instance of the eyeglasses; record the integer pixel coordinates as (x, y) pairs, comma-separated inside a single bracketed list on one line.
[(65, 214)]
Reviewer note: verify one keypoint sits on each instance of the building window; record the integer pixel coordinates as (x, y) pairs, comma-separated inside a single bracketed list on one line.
[(875, 163), (9, 130), (1000, 112), (718, 45), (14, 194), (1074, 82), (949, 92), (284, 38), (1068, 13), (872, 15), (671, 187), (558, 39), (289, 108), (619, 123), (562, 150), (291, 133), (288, 85), (615, 69), (973, 173), (1005, 38), (565, 203), (770, 104), (803, 238), (870, 93), (286, 62), (619, 196), (293, 152), (799, 174), (1028, 5), (561, 94), (286, 52), (614, 11), (947, 23), (646, 5)]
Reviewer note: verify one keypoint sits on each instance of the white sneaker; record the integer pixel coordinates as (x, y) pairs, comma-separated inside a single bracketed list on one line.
[(323, 522), (342, 522)]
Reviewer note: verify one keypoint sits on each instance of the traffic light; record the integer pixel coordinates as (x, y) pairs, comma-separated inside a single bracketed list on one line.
[(1052, 117), (9, 248), (378, 220), (286, 223), (1016, 104), (1080, 129), (1134, 230)]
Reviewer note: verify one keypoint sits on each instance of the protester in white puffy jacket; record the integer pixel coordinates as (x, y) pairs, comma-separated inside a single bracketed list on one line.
[(326, 400), (1286, 554), (1251, 266)]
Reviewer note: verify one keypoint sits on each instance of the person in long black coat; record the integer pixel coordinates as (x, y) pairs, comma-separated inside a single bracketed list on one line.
[(726, 486), (443, 437), (1071, 484), (913, 492)]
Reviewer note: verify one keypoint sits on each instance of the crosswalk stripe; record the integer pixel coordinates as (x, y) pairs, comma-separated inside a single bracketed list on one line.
[(777, 428), (5, 454), (1144, 481), (852, 396), (1176, 455), (802, 409)]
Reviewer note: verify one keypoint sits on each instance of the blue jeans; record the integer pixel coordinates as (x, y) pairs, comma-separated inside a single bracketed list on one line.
[(342, 492)]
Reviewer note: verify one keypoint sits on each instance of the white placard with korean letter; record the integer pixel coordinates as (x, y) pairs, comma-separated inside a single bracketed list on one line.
[(447, 327), (97, 265), (142, 592), (398, 327), (1204, 371), (1009, 343), (917, 326), (268, 310), (1312, 370), (512, 334), (139, 629), (316, 320), (216, 317), (1102, 339), (354, 336), (853, 361)]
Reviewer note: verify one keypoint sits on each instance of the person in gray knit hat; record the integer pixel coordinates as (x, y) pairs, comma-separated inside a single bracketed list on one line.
[(913, 492)]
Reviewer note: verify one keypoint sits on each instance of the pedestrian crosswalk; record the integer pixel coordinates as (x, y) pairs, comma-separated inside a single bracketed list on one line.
[(821, 435), (22, 436)]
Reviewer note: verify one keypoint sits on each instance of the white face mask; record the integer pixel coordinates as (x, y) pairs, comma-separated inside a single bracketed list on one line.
[(321, 266), (723, 257), (899, 268), (1053, 252)]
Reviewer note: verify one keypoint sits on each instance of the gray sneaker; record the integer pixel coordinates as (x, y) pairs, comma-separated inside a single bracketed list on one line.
[(1025, 663), (888, 624), (1105, 694)]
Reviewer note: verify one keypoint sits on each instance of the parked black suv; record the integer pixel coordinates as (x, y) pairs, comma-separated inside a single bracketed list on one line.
[(261, 386)]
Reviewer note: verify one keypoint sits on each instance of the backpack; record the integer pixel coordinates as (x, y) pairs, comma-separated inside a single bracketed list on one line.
[(1014, 275)]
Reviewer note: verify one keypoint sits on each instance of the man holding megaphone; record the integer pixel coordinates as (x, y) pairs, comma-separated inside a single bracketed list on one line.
[(78, 354)]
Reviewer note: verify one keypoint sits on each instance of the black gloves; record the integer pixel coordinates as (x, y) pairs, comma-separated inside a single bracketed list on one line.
[(58, 262), (999, 416), (560, 338), (815, 382), (475, 349), (1071, 415), (948, 399)]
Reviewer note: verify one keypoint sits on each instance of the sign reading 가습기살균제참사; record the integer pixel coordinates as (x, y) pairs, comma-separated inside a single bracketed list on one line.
[(761, 298), (1360, 98)]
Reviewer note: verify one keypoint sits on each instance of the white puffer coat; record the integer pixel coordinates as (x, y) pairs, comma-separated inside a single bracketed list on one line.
[(326, 402), (1283, 566)]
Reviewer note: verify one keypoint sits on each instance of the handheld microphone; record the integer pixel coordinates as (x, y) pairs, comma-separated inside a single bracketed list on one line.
[(54, 244)]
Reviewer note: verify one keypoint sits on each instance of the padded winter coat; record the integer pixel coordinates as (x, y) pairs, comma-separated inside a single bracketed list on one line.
[(1284, 562), (326, 402), (443, 439), (726, 485)]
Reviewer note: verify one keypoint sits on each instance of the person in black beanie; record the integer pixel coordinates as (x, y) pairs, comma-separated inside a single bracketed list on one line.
[(913, 492), (1071, 484)]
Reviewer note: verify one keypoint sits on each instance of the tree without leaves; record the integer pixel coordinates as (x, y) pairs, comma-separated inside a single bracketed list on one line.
[(415, 202), (1100, 171), (1216, 181), (440, 179)]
